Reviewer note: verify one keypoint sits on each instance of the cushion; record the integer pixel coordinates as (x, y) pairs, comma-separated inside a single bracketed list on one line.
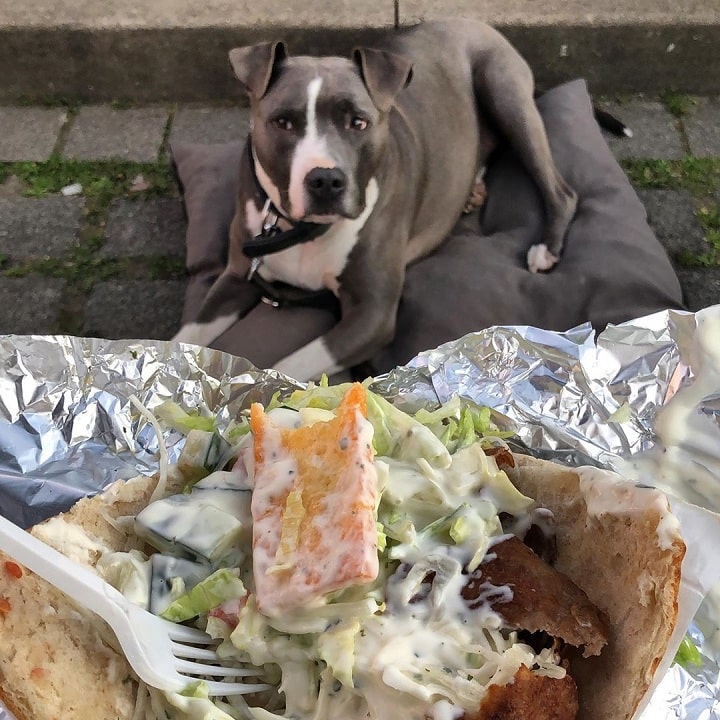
[(613, 267)]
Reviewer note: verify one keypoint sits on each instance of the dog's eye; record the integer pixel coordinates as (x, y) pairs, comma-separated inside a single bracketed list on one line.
[(358, 123), (283, 123)]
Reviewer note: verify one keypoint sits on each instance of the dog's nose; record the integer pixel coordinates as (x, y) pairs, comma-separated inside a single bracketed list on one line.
[(325, 183)]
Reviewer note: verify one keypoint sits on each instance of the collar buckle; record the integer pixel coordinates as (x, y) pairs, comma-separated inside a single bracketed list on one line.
[(271, 216), (255, 264)]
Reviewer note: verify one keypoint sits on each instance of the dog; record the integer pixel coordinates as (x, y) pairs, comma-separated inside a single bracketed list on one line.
[(356, 167)]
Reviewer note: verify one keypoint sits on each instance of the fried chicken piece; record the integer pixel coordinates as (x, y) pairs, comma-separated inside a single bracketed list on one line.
[(543, 599), (529, 697), (503, 456)]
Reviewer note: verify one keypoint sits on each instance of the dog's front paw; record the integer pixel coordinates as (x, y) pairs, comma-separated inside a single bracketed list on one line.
[(540, 259), (477, 198), (204, 333)]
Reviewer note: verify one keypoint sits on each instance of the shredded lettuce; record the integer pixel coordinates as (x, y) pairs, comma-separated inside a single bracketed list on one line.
[(399, 435), (323, 397), (290, 535), (195, 704), (318, 619), (688, 654), (459, 425), (222, 585), (128, 572), (399, 526), (381, 537), (197, 689), (452, 528), (179, 419), (337, 649), (237, 430)]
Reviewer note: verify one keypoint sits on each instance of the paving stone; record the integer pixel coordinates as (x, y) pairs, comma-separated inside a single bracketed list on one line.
[(701, 286), (702, 127), (671, 214), (145, 227), (210, 125), (100, 132), (655, 131), (39, 227), (135, 309), (30, 305), (29, 133)]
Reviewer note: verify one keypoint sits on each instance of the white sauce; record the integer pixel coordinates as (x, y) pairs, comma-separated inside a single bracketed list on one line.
[(686, 461)]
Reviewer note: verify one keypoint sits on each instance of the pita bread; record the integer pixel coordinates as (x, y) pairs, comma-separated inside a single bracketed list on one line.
[(629, 568)]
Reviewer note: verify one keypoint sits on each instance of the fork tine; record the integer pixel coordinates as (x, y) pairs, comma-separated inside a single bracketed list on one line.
[(192, 651), (196, 668), (181, 633), (219, 689)]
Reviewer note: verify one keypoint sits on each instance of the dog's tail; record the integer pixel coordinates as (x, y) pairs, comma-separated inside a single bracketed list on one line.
[(609, 122)]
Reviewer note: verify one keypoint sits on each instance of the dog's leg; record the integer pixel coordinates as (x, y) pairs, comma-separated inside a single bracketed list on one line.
[(231, 297), (355, 339), (504, 84), (369, 300)]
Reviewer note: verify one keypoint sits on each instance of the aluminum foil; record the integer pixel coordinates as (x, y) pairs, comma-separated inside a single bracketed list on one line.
[(68, 427)]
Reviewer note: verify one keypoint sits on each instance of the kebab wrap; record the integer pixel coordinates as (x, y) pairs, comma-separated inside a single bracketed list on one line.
[(371, 563)]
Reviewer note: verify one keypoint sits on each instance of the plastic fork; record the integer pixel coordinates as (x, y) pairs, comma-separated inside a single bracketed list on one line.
[(164, 655)]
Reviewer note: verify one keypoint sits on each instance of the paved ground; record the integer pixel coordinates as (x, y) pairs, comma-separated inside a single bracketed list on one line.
[(109, 261)]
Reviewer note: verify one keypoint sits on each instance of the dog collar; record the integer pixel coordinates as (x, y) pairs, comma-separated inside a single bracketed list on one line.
[(271, 238)]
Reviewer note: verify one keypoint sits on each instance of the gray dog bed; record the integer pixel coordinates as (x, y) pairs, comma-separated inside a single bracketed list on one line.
[(613, 268)]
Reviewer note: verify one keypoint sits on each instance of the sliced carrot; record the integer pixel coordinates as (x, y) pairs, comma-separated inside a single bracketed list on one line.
[(5, 606), (314, 525), (13, 569)]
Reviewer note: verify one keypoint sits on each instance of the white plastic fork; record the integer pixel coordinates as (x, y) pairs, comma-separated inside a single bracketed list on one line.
[(164, 655)]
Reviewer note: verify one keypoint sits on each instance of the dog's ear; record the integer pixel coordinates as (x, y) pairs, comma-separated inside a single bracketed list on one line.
[(384, 74), (255, 66)]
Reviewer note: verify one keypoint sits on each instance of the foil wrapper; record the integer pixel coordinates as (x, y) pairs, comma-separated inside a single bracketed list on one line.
[(68, 427)]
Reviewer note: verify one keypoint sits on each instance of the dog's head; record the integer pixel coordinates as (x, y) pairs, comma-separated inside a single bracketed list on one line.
[(319, 125)]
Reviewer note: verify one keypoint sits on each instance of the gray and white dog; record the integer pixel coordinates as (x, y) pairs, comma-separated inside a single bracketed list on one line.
[(355, 167)]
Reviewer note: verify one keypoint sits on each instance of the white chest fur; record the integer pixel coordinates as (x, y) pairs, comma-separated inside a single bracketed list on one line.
[(317, 264)]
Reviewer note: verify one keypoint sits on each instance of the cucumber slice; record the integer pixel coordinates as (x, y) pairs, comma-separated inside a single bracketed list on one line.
[(171, 577), (206, 524)]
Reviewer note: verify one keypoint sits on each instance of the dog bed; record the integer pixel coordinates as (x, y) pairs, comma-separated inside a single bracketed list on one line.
[(612, 269)]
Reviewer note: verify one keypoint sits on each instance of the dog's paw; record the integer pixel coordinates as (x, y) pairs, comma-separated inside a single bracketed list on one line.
[(540, 259), (477, 198), (204, 333)]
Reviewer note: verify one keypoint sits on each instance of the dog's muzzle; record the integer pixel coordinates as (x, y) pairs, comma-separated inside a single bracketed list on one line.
[(325, 189)]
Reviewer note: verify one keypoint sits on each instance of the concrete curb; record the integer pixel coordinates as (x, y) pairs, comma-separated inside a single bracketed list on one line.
[(99, 64)]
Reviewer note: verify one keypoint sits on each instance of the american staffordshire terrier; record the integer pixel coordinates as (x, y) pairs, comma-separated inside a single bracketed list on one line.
[(356, 167)]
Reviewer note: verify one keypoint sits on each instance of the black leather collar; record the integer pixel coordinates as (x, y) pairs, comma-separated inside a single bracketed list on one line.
[(271, 238), (281, 295)]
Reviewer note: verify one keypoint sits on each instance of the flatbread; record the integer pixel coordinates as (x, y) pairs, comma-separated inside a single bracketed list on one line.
[(629, 565), (54, 665)]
